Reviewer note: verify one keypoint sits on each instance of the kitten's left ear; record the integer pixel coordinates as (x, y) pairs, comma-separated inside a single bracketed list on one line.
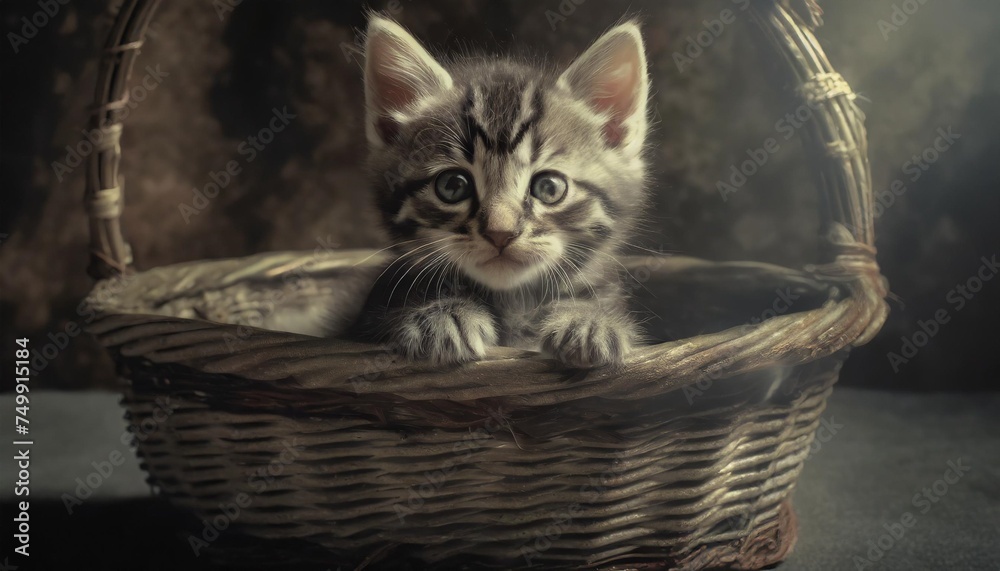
[(611, 77), (399, 73)]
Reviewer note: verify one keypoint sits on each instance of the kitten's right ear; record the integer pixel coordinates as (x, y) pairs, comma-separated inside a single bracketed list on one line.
[(611, 78), (399, 73)]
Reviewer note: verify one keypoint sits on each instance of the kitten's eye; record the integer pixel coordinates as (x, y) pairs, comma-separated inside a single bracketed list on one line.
[(453, 186), (549, 187)]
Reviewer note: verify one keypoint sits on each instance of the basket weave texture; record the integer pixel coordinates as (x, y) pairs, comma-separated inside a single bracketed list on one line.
[(341, 453)]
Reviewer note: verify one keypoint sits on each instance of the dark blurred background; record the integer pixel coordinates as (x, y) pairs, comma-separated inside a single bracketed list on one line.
[(214, 75)]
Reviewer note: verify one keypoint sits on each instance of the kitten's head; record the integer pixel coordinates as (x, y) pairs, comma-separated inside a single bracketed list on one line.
[(506, 172)]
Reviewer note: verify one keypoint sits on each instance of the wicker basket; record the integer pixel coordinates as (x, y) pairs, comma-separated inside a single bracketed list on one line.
[(293, 450)]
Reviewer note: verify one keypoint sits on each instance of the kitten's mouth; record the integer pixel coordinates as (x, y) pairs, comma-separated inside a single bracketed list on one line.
[(503, 271), (504, 260)]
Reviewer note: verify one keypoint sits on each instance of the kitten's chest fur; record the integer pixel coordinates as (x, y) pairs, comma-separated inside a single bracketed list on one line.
[(517, 313)]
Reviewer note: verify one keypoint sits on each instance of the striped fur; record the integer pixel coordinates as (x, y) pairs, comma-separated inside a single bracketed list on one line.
[(454, 289)]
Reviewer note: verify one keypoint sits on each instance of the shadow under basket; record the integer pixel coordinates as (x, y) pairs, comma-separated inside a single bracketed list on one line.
[(293, 451)]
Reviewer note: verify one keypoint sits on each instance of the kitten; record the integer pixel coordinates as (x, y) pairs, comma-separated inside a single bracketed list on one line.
[(508, 189)]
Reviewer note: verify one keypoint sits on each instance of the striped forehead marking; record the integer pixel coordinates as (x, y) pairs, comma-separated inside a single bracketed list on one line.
[(505, 139)]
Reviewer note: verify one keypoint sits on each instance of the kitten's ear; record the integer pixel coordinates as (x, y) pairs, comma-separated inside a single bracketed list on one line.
[(611, 77), (399, 72)]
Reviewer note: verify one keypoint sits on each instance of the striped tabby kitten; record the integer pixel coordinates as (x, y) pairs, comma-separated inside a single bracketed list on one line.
[(507, 189)]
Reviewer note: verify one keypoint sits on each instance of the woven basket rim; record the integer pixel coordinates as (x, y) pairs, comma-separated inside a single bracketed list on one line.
[(308, 363)]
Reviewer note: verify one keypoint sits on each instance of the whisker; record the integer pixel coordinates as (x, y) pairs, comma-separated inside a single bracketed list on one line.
[(432, 264), (408, 270), (389, 247), (402, 257), (581, 275), (439, 274)]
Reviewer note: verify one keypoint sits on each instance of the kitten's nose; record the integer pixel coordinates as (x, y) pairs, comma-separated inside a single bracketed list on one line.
[(500, 238)]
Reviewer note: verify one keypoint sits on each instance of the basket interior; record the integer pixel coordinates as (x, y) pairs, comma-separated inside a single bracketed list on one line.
[(321, 294)]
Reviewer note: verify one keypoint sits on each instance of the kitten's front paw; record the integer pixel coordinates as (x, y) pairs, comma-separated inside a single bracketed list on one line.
[(446, 332), (588, 339)]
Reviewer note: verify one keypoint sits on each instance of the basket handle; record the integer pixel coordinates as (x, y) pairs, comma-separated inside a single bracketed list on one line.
[(110, 254), (836, 145)]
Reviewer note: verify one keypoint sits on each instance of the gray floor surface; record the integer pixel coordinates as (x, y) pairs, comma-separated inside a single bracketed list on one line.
[(894, 481)]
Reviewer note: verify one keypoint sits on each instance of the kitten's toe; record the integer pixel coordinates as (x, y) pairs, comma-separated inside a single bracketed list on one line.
[(446, 333), (589, 342)]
